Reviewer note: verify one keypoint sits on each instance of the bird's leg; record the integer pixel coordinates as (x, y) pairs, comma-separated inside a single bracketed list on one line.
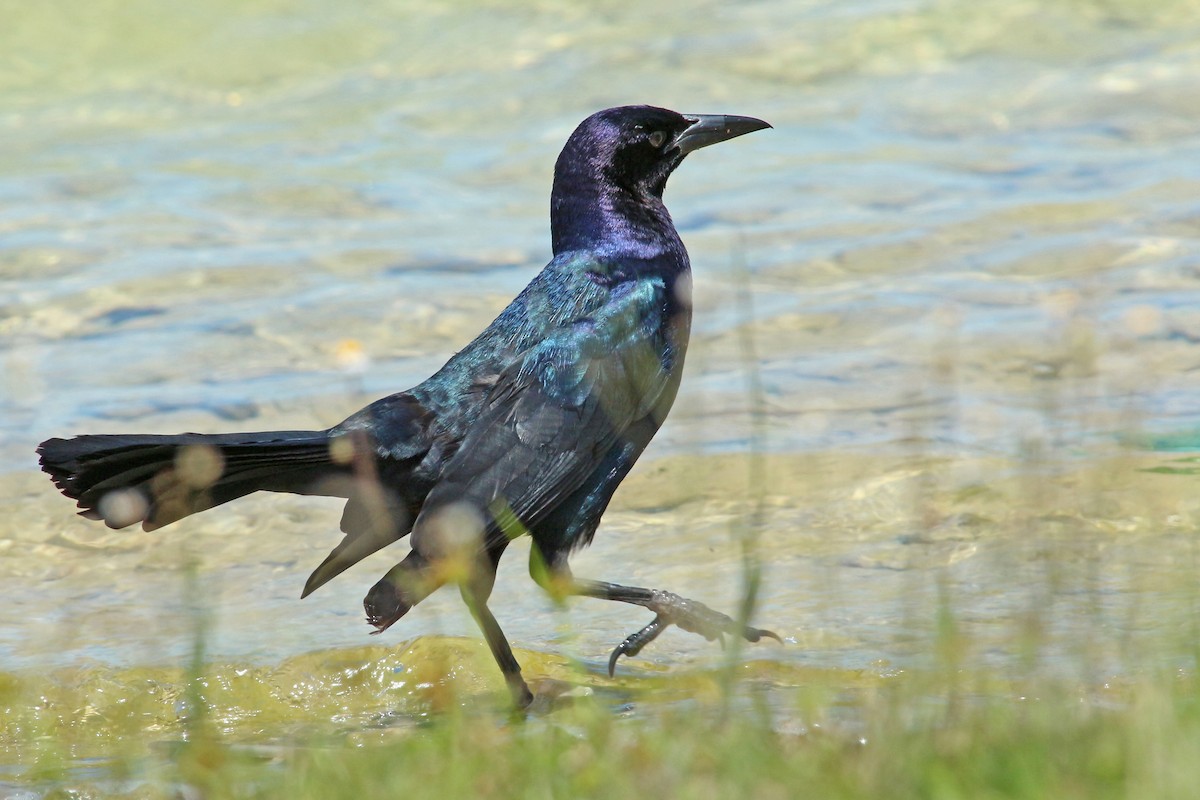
[(501, 650), (554, 575), (405, 585), (415, 578), (475, 593), (669, 609)]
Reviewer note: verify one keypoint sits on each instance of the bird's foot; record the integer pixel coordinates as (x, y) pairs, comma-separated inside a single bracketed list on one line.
[(385, 604), (522, 697), (690, 615)]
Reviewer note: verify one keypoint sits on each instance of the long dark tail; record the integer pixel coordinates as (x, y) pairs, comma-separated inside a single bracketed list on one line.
[(156, 480)]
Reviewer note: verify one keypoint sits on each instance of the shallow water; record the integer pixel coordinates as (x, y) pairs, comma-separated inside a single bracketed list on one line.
[(965, 262)]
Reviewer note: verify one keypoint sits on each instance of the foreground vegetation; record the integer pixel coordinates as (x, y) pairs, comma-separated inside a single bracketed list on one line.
[(319, 727)]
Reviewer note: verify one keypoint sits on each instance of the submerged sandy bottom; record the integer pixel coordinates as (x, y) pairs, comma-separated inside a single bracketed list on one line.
[(857, 555)]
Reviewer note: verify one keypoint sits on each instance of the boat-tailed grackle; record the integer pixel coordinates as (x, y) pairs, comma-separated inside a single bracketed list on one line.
[(528, 429)]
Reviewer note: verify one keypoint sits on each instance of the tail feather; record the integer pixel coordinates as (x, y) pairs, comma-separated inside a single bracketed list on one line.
[(164, 478)]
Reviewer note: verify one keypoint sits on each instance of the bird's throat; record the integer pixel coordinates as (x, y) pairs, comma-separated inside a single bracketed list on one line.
[(606, 218)]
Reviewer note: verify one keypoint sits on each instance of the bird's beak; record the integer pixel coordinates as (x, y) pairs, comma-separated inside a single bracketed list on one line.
[(709, 129)]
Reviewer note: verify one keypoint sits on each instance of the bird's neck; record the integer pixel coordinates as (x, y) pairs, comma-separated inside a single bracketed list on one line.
[(599, 216)]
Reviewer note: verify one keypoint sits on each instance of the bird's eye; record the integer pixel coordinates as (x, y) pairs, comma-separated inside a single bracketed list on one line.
[(658, 139)]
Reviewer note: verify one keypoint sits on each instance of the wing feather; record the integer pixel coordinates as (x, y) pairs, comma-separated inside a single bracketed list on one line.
[(553, 415)]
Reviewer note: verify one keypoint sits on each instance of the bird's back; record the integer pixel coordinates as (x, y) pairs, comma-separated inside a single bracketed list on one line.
[(574, 287)]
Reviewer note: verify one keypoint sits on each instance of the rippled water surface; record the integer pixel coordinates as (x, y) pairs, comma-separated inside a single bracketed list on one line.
[(963, 269)]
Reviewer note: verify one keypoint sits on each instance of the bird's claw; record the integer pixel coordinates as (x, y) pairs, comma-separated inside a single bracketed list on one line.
[(634, 642), (671, 609), (757, 634)]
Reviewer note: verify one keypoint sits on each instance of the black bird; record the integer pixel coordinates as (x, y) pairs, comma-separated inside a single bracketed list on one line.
[(528, 429)]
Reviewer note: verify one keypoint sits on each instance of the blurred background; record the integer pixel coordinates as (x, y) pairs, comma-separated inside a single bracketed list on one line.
[(963, 272)]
